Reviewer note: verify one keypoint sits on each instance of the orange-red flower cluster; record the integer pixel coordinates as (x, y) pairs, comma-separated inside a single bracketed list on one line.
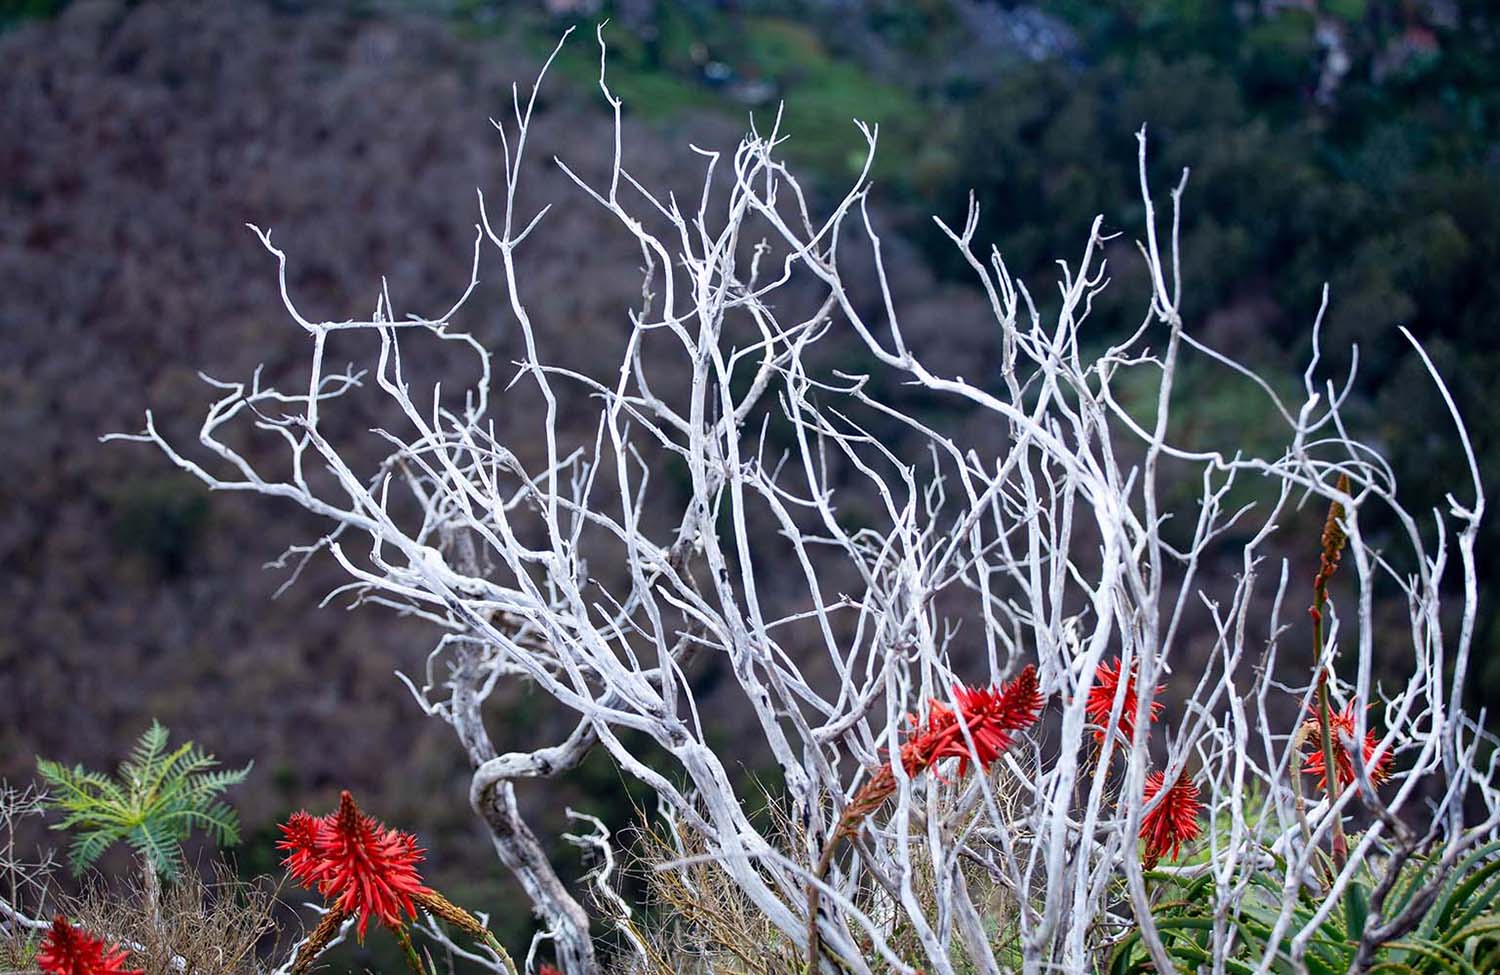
[(68, 951), (355, 861), (1341, 724), (992, 716), (1173, 822), (1101, 700)]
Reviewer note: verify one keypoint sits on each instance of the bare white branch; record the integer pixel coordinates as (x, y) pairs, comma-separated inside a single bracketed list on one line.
[(849, 560)]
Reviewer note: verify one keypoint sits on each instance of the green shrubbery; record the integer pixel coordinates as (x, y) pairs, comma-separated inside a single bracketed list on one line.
[(1455, 929), (157, 799)]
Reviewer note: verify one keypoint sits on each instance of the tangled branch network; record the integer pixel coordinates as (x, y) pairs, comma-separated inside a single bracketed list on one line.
[(874, 612)]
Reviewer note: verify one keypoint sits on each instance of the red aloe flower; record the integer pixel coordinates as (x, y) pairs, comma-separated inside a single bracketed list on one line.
[(300, 836), (68, 951), (1173, 822), (920, 750), (1341, 724), (1102, 700), (991, 716), (365, 867)]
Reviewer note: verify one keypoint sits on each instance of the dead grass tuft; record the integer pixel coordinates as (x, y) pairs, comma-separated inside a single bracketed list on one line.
[(699, 922), (206, 925)]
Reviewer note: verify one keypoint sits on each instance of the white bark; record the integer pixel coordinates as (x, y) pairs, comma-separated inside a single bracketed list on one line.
[(1053, 550)]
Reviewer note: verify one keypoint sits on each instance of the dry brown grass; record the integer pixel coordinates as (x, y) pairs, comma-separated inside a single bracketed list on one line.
[(25, 881), (211, 924), (699, 922), (16, 953)]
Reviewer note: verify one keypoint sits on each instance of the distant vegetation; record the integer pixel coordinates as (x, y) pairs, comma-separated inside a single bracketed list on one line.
[(1351, 142)]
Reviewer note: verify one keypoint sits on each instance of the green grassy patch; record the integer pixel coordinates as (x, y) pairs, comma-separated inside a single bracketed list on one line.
[(822, 93)]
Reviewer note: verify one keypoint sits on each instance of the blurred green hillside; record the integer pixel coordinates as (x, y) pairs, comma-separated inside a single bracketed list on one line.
[(1351, 142)]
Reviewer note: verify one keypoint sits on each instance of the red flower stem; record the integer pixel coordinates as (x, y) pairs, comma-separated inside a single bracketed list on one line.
[(977, 729), (870, 797), (1333, 545)]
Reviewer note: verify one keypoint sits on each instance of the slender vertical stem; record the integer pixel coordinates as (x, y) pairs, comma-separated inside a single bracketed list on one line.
[(412, 961), (1299, 740), (499, 949), (151, 896), (820, 873), (1325, 736), (1333, 546)]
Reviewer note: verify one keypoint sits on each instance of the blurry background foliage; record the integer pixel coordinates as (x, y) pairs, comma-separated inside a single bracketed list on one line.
[(1347, 141)]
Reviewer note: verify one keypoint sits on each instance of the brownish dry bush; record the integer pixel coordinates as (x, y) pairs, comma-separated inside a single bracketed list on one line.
[(205, 925)]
